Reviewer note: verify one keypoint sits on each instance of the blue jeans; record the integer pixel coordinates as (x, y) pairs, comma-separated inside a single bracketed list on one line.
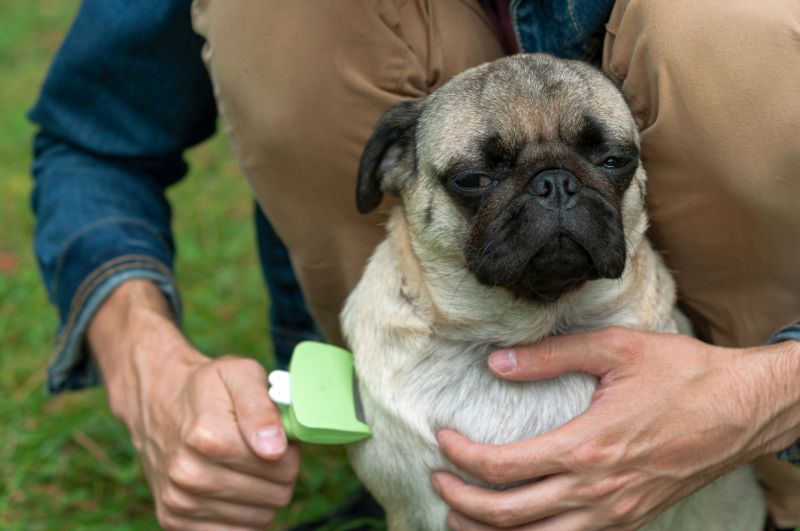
[(289, 319)]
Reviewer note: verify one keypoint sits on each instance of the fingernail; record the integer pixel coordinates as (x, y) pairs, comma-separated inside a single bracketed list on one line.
[(270, 441), (503, 361), (452, 522)]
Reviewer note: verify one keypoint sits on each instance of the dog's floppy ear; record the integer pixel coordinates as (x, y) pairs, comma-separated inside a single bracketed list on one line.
[(388, 159)]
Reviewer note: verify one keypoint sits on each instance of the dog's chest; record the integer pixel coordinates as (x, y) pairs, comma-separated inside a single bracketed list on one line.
[(450, 386)]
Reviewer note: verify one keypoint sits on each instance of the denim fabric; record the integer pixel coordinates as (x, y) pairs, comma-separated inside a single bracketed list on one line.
[(128, 82), (290, 322), (789, 333), (573, 29), (791, 454), (125, 95)]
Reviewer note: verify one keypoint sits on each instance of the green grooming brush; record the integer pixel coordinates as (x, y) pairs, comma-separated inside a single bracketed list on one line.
[(318, 396)]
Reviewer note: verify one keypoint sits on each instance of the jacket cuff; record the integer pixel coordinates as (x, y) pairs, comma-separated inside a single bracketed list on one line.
[(73, 366), (791, 454), (786, 333), (791, 332)]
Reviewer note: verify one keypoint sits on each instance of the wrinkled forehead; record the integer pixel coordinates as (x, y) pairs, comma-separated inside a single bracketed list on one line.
[(523, 99)]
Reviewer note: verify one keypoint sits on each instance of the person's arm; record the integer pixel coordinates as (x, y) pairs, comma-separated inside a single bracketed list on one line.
[(703, 411), (126, 94), (211, 443)]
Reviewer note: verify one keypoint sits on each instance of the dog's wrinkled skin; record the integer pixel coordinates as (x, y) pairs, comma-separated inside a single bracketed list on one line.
[(522, 216)]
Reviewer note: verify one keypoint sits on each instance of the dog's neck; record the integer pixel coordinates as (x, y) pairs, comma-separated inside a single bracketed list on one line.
[(456, 306)]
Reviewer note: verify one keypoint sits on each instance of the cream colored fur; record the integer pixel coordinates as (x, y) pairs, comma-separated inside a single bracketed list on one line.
[(421, 328), (421, 336)]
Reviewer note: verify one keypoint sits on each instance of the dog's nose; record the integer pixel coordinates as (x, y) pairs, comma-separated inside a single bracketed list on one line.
[(555, 189)]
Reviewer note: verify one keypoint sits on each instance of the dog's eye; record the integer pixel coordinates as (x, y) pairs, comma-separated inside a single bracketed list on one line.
[(615, 163), (473, 181)]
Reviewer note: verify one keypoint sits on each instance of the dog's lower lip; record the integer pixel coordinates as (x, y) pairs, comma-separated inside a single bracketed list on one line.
[(561, 237), (552, 291)]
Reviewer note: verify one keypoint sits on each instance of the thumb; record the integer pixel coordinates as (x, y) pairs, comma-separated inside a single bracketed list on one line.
[(257, 416), (598, 352)]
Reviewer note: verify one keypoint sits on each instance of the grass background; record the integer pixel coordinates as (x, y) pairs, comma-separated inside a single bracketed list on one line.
[(65, 462)]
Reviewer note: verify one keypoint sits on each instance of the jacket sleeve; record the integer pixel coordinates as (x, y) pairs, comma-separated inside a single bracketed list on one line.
[(126, 94), (790, 332)]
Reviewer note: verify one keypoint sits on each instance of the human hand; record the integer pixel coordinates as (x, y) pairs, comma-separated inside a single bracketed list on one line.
[(669, 415), (210, 440)]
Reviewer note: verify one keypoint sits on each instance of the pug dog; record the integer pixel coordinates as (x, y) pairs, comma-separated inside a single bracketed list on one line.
[(522, 216)]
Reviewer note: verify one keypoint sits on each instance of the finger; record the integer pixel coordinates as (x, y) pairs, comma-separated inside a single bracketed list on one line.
[(573, 521), (256, 415), (186, 506), (507, 508), (210, 450), (580, 520), (516, 461), (214, 431), (464, 523), (284, 470), (209, 480), (597, 352), (169, 522)]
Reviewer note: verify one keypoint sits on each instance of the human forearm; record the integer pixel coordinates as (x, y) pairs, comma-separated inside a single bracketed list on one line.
[(110, 143), (133, 336)]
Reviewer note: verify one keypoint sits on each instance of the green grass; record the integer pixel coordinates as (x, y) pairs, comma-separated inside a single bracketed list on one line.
[(65, 462)]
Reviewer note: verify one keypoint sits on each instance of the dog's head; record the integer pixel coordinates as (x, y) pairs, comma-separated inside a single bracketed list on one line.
[(526, 169)]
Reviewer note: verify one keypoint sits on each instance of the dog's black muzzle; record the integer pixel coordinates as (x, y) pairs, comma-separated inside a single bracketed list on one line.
[(550, 239)]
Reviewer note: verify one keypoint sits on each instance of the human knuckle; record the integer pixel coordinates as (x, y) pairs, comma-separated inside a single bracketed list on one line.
[(283, 496), (492, 469), (597, 456), (242, 365), (624, 511), (263, 518), (167, 520), (586, 456), (176, 501), (267, 517), (601, 488), (169, 523), (186, 472), (210, 441), (501, 513), (205, 375), (639, 522), (625, 342)]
